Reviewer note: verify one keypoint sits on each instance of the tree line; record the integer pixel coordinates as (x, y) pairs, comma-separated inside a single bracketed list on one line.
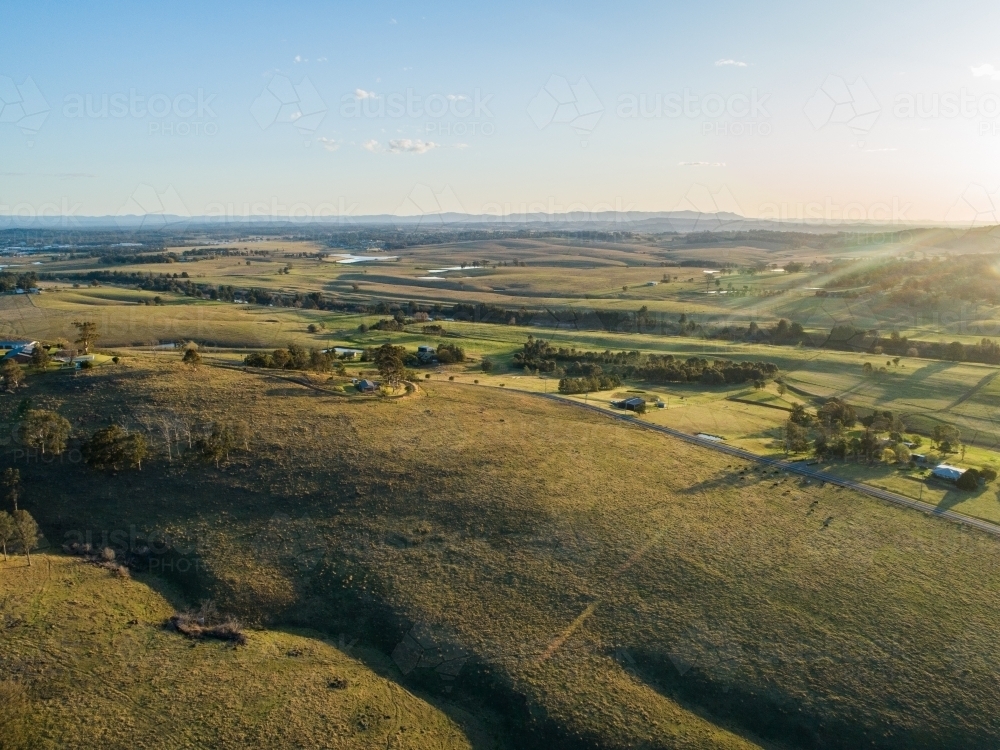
[(539, 356)]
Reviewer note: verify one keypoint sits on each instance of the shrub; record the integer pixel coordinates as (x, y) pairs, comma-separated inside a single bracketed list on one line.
[(449, 353), (969, 480), (206, 624), (988, 474), (191, 357)]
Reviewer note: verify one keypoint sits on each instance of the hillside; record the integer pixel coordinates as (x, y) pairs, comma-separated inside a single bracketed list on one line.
[(85, 662), (604, 586)]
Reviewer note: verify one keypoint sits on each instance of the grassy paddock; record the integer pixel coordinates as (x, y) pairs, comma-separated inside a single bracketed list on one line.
[(621, 587), (88, 659)]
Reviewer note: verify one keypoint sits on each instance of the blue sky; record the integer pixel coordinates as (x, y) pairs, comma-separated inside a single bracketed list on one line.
[(791, 108)]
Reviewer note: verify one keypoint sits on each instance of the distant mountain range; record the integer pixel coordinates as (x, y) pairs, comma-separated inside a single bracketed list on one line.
[(631, 221)]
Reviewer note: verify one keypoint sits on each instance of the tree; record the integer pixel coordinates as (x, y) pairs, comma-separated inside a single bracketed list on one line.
[(11, 374), (25, 532), (796, 438), (782, 388), (835, 410), (12, 485), (45, 430), (487, 364), (6, 531), (191, 357), (946, 434), (218, 443), (868, 444), (40, 356), (955, 351), (799, 415), (113, 448), (86, 334), (389, 360)]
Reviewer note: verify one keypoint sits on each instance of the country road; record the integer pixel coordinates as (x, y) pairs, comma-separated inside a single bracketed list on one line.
[(795, 467)]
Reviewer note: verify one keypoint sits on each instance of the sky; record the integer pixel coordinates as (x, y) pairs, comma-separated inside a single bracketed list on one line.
[(888, 112)]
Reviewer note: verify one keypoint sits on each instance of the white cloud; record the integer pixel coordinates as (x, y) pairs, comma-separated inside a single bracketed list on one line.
[(392, 20), (730, 61), (986, 71), (372, 146), (329, 143), (320, 59), (701, 164), (300, 59), (457, 98), (362, 94), (405, 145)]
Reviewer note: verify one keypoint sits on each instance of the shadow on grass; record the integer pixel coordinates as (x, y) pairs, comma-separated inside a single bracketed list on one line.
[(954, 496)]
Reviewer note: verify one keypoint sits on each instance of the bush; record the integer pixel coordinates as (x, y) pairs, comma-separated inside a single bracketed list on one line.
[(969, 481), (206, 623), (988, 474), (449, 353)]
